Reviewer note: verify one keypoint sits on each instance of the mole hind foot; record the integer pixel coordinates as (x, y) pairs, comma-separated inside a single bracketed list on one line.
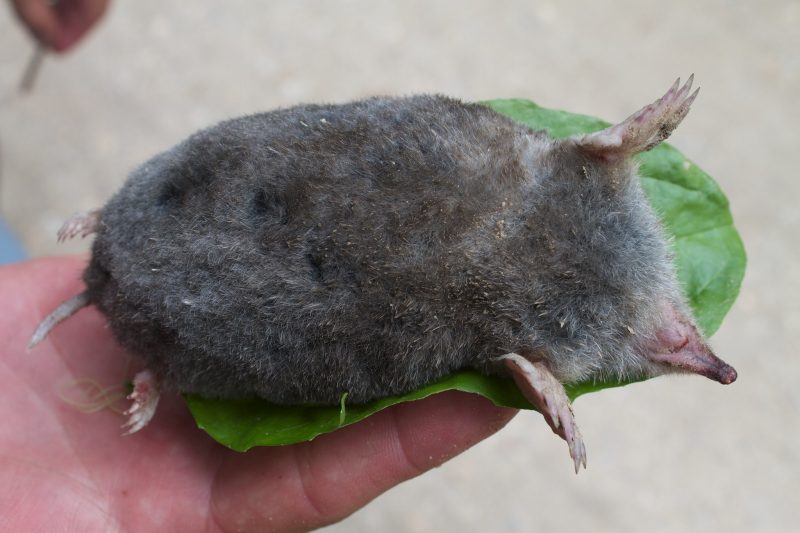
[(82, 224), (145, 399), (547, 394)]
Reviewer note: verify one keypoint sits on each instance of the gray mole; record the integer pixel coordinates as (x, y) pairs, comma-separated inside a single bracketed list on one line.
[(374, 247), (377, 246)]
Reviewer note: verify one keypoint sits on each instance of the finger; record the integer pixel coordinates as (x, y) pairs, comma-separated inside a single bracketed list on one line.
[(41, 20), (76, 18), (309, 485)]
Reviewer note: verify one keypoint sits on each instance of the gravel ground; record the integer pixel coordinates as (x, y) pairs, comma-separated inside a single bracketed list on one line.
[(678, 454)]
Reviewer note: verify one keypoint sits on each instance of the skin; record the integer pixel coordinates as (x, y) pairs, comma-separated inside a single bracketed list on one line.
[(62, 466), (62, 25)]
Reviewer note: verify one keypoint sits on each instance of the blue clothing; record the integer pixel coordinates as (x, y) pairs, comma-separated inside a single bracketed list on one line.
[(10, 248)]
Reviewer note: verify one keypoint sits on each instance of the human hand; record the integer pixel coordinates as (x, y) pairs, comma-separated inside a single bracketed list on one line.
[(60, 24), (67, 469)]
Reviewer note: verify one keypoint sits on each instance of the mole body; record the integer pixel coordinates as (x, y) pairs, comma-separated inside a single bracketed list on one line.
[(377, 246)]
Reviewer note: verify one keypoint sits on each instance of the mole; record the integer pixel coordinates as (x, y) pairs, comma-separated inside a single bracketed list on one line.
[(376, 246)]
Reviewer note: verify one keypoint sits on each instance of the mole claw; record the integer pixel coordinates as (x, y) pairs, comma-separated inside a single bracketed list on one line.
[(81, 224), (548, 395), (145, 397)]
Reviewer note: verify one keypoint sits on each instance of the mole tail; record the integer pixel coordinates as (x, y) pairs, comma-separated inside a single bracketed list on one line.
[(62, 312)]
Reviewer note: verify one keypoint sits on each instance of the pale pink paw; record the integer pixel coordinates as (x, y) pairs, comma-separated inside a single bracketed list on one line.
[(79, 224), (145, 397), (548, 395), (644, 129)]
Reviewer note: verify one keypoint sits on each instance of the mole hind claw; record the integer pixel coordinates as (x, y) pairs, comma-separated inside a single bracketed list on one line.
[(145, 397), (82, 224), (548, 395)]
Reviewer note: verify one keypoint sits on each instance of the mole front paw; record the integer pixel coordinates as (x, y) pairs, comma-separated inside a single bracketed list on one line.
[(79, 224), (145, 397)]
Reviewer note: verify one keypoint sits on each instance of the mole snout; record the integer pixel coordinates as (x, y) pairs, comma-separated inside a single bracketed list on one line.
[(678, 345), (727, 375)]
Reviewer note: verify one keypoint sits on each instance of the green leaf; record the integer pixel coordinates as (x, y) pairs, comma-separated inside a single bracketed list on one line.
[(709, 257), (242, 424)]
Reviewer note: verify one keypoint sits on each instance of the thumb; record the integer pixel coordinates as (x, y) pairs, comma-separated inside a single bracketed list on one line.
[(309, 485)]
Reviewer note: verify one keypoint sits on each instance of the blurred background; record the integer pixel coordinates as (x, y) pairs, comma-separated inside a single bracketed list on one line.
[(679, 454)]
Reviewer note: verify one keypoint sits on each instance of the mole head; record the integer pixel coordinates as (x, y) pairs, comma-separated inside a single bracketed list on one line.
[(610, 300)]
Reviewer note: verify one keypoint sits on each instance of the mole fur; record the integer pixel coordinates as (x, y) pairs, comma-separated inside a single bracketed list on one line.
[(374, 247)]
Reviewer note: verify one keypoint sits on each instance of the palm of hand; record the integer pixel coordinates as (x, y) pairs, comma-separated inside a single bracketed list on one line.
[(62, 466)]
